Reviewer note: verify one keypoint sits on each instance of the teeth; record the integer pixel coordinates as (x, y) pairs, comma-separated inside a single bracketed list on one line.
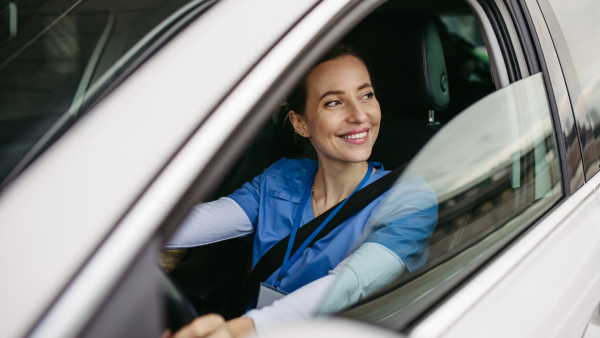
[(355, 136)]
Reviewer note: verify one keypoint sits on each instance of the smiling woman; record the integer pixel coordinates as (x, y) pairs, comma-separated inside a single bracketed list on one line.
[(340, 116), (335, 108)]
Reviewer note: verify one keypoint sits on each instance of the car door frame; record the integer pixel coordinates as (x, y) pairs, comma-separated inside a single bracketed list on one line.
[(580, 110), (538, 46)]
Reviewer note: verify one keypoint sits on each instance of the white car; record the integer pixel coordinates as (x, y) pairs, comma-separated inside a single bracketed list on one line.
[(116, 117)]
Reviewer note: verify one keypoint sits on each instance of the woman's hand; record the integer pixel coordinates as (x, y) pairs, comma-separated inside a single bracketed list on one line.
[(214, 326)]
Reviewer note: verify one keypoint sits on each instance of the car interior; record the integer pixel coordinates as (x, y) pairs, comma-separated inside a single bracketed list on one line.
[(428, 63)]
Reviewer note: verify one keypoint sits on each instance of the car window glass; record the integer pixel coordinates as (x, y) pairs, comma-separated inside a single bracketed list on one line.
[(486, 175), (57, 50), (579, 24)]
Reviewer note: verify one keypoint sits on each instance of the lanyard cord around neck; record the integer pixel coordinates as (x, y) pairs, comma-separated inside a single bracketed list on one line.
[(287, 262)]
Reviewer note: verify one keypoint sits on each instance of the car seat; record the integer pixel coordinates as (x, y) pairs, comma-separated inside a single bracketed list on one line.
[(408, 70)]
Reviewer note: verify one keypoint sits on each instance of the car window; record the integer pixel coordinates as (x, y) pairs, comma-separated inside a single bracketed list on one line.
[(55, 53), (579, 24), (492, 171)]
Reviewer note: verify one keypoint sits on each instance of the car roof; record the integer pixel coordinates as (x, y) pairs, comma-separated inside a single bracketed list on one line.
[(60, 209)]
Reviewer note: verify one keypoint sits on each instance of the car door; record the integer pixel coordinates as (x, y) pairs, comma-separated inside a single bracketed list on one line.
[(576, 36), (546, 283)]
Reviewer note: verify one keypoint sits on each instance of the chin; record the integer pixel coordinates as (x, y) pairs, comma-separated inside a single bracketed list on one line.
[(357, 157)]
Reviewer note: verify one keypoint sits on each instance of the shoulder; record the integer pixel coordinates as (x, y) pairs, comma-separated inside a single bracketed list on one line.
[(287, 166), (289, 175), (292, 169)]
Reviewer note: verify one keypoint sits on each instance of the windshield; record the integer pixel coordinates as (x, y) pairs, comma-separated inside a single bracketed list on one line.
[(57, 57)]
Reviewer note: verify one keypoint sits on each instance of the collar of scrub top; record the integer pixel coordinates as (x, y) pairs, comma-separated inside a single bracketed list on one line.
[(287, 261)]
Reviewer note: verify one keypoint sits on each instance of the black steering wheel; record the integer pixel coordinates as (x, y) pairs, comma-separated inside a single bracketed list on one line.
[(180, 310)]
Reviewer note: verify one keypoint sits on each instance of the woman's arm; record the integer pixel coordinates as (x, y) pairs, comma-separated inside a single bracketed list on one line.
[(367, 270), (211, 222)]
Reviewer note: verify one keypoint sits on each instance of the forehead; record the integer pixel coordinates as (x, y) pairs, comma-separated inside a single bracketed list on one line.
[(345, 73)]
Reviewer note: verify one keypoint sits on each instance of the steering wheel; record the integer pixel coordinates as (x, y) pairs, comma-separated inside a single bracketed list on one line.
[(180, 310)]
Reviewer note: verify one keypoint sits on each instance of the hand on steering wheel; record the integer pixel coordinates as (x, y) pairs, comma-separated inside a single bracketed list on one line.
[(214, 326)]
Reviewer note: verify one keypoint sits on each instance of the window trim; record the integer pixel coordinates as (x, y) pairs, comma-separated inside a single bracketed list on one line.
[(511, 27), (568, 146), (525, 35), (503, 38), (577, 100), (497, 63)]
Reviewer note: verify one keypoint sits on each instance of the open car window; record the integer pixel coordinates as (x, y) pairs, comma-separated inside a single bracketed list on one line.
[(494, 169)]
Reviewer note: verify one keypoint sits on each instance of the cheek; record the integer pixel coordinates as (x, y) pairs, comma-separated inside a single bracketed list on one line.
[(375, 117), (376, 112), (326, 124)]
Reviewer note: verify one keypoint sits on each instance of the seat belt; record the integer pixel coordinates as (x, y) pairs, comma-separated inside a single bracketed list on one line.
[(273, 259)]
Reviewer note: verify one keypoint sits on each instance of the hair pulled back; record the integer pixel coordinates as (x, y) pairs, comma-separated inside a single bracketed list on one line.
[(296, 100)]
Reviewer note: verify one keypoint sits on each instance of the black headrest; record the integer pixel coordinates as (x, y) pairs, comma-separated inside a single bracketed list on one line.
[(404, 54)]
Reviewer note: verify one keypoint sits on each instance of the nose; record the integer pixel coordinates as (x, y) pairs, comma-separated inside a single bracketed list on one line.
[(356, 112)]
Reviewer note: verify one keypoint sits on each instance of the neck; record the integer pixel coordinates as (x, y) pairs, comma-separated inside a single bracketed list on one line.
[(334, 180)]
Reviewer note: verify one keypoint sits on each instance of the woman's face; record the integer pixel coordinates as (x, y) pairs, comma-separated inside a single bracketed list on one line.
[(342, 115)]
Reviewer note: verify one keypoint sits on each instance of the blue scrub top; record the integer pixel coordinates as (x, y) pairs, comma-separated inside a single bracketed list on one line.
[(271, 201)]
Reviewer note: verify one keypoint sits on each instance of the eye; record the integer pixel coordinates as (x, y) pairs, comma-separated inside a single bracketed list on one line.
[(332, 103), (368, 96)]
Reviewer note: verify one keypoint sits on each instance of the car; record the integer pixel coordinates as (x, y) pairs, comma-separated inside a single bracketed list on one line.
[(119, 116)]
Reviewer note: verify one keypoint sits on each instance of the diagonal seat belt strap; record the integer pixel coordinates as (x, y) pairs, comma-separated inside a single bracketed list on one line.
[(273, 259)]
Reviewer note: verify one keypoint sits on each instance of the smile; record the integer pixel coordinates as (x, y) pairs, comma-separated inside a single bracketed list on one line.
[(356, 136)]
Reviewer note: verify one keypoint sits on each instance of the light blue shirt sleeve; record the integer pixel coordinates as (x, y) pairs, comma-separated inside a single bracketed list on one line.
[(209, 223)]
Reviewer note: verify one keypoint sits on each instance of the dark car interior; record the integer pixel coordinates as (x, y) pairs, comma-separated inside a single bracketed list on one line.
[(424, 74)]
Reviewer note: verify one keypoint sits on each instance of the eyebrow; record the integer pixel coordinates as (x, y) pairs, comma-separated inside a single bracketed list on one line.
[(332, 92), (340, 92), (366, 85)]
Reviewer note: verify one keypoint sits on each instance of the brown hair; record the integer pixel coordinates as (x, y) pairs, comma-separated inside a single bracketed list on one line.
[(296, 100)]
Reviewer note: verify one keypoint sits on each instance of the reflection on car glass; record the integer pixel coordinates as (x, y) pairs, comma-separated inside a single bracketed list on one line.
[(397, 237), (579, 26), (493, 169)]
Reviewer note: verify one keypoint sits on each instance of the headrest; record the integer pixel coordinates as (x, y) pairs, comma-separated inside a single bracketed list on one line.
[(405, 57)]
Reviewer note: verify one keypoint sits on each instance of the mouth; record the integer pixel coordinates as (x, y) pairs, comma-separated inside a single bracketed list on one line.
[(356, 136)]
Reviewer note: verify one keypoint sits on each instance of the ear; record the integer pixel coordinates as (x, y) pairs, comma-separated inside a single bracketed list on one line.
[(299, 124)]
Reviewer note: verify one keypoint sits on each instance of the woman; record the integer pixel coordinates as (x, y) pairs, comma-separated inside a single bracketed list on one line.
[(335, 108)]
